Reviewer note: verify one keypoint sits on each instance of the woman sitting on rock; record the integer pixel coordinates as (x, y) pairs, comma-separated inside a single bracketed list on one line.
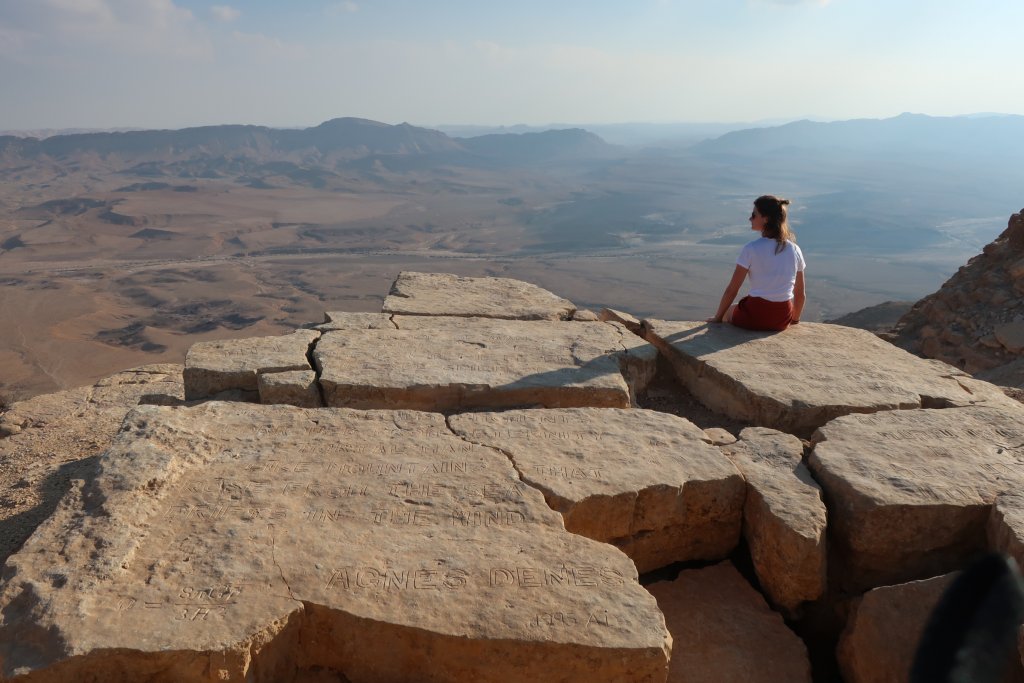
[(775, 265)]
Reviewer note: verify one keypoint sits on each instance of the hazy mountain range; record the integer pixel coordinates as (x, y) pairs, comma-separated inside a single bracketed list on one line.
[(332, 143), (891, 185)]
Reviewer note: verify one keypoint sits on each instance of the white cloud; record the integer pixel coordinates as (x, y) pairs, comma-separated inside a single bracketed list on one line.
[(112, 26), (224, 13)]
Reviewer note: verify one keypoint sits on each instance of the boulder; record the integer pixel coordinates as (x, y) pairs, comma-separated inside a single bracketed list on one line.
[(722, 630), (884, 629), (799, 379), (445, 294), (719, 436), (910, 491), (1010, 335), (784, 517), (232, 541), (234, 364), (444, 363), (643, 481), (585, 316)]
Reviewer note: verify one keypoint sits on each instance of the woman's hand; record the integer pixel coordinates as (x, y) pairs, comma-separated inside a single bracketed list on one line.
[(731, 290)]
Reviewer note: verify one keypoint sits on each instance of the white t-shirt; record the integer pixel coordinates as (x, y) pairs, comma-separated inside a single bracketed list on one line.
[(772, 275)]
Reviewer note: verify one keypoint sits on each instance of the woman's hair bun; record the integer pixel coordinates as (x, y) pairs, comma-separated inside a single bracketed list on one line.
[(784, 202)]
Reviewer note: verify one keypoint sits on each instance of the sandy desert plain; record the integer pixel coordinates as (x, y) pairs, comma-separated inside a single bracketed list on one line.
[(102, 270)]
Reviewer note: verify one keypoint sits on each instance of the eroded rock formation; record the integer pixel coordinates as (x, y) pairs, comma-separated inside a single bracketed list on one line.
[(470, 494), (975, 321)]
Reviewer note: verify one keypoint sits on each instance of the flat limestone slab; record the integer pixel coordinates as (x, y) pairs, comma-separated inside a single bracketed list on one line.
[(799, 379), (911, 491), (486, 297), (644, 481), (216, 366), (435, 363), (884, 629), (784, 517), (722, 630), (235, 541)]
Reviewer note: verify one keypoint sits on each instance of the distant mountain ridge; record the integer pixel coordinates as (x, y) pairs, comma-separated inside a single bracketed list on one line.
[(996, 135), (326, 144)]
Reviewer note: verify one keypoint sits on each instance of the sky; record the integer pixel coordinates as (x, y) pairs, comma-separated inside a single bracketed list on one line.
[(178, 63)]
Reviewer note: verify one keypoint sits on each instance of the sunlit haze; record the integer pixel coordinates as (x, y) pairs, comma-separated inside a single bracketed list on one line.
[(176, 63)]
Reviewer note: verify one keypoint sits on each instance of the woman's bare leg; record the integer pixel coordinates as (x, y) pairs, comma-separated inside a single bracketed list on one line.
[(727, 318)]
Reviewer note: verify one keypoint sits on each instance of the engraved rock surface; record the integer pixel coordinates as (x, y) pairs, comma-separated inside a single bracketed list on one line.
[(722, 630), (784, 516), (910, 491), (293, 387), (646, 482), (884, 628), (797, 380), (246, 542), (216, 366), (442, 363), (486, 297)]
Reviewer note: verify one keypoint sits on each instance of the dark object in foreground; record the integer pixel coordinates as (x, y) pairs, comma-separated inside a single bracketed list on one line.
[(973, 630)]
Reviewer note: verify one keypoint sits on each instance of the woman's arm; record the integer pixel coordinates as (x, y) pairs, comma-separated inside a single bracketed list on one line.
[(731, 290), (799, 296)]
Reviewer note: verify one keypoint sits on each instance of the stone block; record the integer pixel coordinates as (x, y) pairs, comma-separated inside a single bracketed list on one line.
[(722, 630), (799, 379), (216, 366), (784, 517), (643, 481), (884, 629), (443, 363), (445, 294), (910, 491), (239, 541)]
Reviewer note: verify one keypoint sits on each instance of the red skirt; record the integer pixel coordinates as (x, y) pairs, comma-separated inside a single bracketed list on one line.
[(755, 313)]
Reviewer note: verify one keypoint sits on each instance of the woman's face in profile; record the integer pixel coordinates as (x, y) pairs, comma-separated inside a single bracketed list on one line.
[(757, 221)]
